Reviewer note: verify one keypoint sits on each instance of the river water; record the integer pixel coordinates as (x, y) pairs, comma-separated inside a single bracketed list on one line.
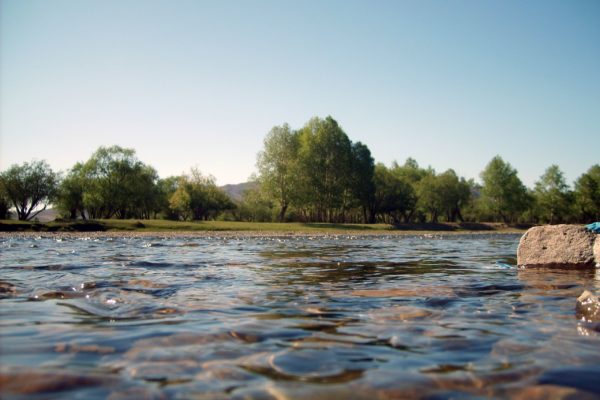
[(323, 317)]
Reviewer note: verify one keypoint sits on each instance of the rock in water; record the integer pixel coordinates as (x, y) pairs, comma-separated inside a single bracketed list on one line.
[(588, 307), (597, 249), (558, 246)]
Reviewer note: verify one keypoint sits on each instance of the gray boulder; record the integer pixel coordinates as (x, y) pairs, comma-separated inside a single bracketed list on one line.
[(558, 246)]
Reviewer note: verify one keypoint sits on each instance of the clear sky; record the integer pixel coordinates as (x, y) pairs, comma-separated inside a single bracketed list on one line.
[(200, 83)]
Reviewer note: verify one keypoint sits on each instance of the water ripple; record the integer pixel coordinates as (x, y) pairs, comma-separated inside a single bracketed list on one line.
[(425, 316)]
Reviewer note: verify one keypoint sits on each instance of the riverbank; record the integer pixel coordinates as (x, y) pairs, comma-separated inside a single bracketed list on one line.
[(148, 227)]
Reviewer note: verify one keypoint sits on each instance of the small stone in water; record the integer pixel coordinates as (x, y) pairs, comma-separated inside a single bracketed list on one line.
[(588, 307)]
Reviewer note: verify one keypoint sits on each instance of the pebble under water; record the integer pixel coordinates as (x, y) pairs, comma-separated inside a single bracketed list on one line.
[(371, 317)]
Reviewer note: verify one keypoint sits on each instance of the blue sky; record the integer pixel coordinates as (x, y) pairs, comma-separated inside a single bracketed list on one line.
[(200, 83)]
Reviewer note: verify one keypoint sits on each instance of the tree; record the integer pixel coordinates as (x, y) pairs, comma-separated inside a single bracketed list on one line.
[(255, 206), (430, 196), (411, 174), (325, 155), (144, 201), (4, 206), (117, 184), (317, 173), (394, 198), (587, 194), (198, 197), (28, 187), (166, 188), (180, 202), (70, 193), (277, 166), (361, 180), (503, 193), (455, 193), (552, 195)]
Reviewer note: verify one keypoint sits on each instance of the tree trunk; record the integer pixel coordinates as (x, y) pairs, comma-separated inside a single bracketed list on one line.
[(282, 212)]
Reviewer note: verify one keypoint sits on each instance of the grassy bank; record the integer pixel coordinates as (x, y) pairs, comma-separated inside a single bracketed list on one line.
[(113, 225)]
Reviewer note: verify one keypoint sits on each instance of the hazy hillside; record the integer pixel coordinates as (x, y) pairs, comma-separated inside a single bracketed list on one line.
[(235, 191)]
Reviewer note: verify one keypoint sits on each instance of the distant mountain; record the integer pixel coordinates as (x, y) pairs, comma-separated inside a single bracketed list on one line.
[(236, 191)]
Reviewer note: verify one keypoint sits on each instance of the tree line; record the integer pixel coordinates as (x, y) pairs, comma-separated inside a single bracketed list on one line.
[(113, 183), (312, 174)]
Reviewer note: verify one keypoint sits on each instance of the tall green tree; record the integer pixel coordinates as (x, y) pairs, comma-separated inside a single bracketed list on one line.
[(362, 182), (166, 188), (278, 167), (145, 200), (455, 194), (443, 195), (326, 162), (180, 202), (552, 195), (411, 173), (503, 193), (70, 193), (587, 194), (29, 187), (394, 198), (430, 196), (317, 172)]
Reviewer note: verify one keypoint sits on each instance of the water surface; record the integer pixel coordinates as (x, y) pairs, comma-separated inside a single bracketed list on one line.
[(290, 317)]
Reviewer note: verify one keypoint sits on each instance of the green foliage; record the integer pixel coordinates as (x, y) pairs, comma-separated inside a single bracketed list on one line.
[(314, 174), (29, 187), (70, 193), (395, 197), (326, 163), (166, 188), (117, 184), (198, 197), (362, 182), (553, 196), (180, 202), (4, 206), (503, 194), (443, 195), (318, 172), (112, 183), (431, 198), (256, 206), (278, 167), (587, 195)]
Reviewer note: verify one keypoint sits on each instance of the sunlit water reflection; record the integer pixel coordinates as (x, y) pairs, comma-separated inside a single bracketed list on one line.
[(297, 317)]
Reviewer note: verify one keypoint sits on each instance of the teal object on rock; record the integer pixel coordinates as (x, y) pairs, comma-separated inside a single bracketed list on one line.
[(594, 227)]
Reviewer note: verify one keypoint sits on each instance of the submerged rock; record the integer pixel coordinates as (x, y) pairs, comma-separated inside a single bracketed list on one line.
[(558, 246), (588, 307)]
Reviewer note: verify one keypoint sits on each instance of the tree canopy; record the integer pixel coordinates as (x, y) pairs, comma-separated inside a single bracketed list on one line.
[(587, 194), (503, 193), (29, 188), (312, 174), (552, 195)]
